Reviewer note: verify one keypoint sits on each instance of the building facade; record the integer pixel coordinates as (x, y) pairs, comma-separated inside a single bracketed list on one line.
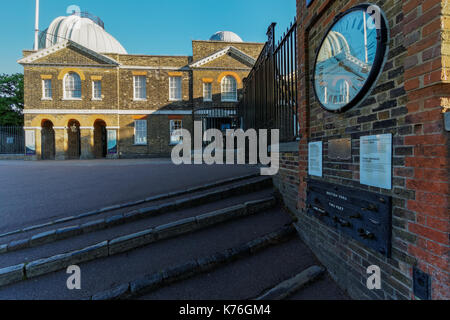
[(86, 97)]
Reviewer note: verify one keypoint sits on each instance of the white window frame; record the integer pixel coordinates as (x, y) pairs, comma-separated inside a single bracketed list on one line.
[(227, 91), (175, 89), (140, 132), (94, 97), (207, 94), (46, 90), (66, 96), (175, 131), (136, 88)]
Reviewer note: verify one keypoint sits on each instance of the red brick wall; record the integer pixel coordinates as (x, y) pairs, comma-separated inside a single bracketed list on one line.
[(408, 101)]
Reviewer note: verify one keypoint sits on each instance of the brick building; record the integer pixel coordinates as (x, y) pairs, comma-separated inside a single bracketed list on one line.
[(409, 100), (86, 97)]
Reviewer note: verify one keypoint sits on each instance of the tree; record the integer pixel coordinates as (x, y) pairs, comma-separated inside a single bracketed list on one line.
[(11, 100)]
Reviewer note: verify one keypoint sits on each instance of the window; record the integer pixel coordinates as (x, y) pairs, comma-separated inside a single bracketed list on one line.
[(175, 131), (72, 86), (140, 132), (344, 92), (229, 89), (96, 90), (47, 93), (175, 88), (207, 92), (140, 88)]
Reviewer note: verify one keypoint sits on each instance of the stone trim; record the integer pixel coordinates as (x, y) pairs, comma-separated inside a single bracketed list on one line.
[(62, 45), (232, 50), (112, 112)]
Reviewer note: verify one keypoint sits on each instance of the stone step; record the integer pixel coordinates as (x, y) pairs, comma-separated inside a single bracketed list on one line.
[(108, 272), (110, 217), (244, 279), (89, 239)]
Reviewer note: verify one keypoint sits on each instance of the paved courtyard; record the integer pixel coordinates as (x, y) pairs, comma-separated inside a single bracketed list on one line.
[(36, 192)]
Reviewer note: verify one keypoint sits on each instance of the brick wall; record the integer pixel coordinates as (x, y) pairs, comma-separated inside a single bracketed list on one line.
[(408, 101)]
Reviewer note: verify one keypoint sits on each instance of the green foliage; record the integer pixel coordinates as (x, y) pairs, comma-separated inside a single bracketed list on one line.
[(11, 99)]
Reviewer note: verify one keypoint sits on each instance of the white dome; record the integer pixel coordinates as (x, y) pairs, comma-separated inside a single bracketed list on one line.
[(83, 31), (226, 36)]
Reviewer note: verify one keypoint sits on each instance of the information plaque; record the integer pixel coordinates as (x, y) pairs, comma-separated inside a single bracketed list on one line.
[(30, 142), (315, 156), (376, 161)]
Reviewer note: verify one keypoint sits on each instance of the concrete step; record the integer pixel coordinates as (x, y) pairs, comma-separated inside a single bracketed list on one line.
[(323, 288), (243, 279), (105, 218), (106, 273), (92, 238), (130, 241)]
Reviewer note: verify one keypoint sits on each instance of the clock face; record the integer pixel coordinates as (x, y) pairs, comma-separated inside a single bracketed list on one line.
[(350, 59)]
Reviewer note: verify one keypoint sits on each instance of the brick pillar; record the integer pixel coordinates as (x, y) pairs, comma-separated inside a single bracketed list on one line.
[(60, 143), (427, 83), (87, 143)]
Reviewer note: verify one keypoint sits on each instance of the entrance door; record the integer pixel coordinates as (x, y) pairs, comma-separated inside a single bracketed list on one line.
[(100, 139), (48, 141), (74, 140)]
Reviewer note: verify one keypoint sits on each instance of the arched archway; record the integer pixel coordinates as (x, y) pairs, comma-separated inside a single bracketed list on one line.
[(47, 141), (73, 140), (100, 139)]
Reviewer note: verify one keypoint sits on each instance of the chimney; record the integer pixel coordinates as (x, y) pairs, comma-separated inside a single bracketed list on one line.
[(36, 28)]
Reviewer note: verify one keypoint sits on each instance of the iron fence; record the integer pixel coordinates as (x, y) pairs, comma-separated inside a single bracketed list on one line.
[(12, 140), (270, 90)]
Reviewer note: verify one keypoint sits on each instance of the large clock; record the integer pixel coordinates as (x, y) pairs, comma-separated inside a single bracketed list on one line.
[(351, 58)]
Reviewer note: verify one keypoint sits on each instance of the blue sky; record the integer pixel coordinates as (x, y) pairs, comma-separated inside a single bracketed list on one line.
[(146, 26)]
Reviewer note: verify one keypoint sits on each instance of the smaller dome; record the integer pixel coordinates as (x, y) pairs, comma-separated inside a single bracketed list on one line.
[(226, 36)]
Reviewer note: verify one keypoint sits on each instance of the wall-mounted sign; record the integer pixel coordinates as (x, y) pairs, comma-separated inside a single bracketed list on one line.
[(112, 142), (340, 149), (315, 157), (308, 2), (9, 140), (350, 58), (30, 142), (376, 161), (362, 215)]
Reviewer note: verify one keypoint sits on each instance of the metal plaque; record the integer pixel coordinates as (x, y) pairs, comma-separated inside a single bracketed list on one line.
[(340, 149), (363, 216)]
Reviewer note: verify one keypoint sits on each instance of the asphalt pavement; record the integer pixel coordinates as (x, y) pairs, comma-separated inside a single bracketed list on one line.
[(36, 192)]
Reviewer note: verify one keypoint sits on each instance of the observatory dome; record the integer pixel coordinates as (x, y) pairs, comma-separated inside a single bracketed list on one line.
[(226, 36), (82, 30)]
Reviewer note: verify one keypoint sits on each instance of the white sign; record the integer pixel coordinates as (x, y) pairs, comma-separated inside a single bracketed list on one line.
[(376, 161), (315, 159), (30, 142)]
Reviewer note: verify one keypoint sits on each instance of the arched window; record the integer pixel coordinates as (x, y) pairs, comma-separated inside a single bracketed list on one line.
[(72, 86), (344, 92), (229, 89)]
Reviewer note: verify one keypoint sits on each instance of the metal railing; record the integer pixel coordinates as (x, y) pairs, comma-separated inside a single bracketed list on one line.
[(12, 140), (84, 14), (270, 90)]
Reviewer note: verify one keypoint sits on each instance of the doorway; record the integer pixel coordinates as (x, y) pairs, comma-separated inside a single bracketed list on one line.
[(47, 141), (74, 140), (100, 139)]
